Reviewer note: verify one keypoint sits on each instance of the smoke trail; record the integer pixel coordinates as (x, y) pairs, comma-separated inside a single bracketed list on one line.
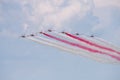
[(82, 43), (102, 42), (56, 45), (91, 43), (107, 43), (82, 47), (80, 52), (71, 50)]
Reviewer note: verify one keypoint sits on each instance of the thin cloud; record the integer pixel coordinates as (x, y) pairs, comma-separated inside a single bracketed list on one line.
[(103, 11), (1, 18), (54, 12), (105, 3), (104, 16)]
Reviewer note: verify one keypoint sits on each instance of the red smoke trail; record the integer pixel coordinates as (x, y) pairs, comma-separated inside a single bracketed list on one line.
[(80, 46), (91, 43)]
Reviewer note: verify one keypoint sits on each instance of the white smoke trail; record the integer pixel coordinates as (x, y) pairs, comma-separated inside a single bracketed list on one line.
[(84, 44), (71, 50), (107, 43), (102, 42)]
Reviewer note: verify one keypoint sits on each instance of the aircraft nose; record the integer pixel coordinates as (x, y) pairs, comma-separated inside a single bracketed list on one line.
[(63, 32), (23, 36), (77, 33), (50, 30), (40, 32), (32, 35)]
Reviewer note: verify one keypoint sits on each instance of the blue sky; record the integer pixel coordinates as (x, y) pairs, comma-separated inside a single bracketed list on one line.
[(21, 59)]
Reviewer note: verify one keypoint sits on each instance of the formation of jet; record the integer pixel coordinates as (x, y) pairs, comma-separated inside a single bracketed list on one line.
[(49, 30), (87, 46)]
